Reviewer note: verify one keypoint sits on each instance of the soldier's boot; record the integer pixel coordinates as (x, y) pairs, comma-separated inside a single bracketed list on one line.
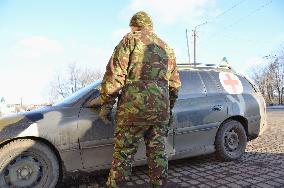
[(114, 184), (116, 180), (161, 183)]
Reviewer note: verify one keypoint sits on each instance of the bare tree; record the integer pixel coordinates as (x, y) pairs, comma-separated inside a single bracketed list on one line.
[(279, 78), (258, 77), (70, 81), (270, 82), (264, 80), (270, 79)]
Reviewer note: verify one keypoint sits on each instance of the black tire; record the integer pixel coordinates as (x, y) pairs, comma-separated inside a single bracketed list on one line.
[(28, 163), (231, 141)]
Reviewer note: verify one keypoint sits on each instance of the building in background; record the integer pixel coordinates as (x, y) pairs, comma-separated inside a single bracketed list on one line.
[(9, 109)]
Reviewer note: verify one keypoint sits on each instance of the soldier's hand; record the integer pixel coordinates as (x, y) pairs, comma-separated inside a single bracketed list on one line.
[(168, 127), (171, 120), (105, 115), (106, 119), (96, 102)]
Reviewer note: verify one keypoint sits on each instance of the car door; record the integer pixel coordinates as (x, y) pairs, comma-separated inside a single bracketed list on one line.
[(215, 97), (61, 129), (96, 139), (195, 127)]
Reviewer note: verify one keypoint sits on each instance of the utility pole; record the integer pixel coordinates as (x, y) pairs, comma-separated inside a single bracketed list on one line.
[(187, 42), (194, 46), (194, 41), (75, 84)]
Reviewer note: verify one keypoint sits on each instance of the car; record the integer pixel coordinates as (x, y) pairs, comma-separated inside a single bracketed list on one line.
[(217, 111)]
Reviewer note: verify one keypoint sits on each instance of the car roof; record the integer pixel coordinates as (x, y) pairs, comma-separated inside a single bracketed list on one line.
[(191, 67)]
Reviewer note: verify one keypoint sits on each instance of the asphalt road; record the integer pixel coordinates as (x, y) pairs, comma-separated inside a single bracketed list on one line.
[(261, 166)]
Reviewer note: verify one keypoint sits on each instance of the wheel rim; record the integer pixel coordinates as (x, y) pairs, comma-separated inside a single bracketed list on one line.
[(232, 141), (24, 171)]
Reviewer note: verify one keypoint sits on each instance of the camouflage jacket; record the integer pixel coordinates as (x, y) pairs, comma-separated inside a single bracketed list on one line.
[(142, 73)]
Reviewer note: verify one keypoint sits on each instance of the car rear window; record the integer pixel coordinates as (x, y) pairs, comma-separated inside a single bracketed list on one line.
[(248, 87), (213, 84)]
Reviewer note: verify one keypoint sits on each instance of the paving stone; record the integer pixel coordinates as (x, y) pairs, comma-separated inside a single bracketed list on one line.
[(262, 185), (130, 183), (211, 177), (204, 186), (252, 181), (177, 174), (243, 183), (82, 186), (202, 180), (274, 174), (222, 182), (274, 183), (139, 182), (220, 175), (259, 179), (175, 180), (133, 178), (230, 179), (237, 177), (233, 185), (92, 185), (184, 184), (213, 184), (194, 176), (279, 180), (265, 176), (193, 182), (143, 176), (185, 172)]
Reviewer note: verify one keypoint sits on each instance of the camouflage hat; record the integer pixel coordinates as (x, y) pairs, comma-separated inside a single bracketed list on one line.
[(141, 20)]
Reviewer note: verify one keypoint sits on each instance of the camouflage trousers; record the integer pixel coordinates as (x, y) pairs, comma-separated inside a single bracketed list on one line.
[(127, 138)]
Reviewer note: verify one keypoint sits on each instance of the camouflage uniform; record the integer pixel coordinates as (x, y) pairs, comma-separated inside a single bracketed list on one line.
[(142, 73)]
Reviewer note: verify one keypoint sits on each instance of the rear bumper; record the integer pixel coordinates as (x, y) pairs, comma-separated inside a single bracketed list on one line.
[(256, 126), (263, 124)]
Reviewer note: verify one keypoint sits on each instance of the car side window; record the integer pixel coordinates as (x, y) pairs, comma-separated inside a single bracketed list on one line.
[(211, 82), (191, 85), (93, 96)]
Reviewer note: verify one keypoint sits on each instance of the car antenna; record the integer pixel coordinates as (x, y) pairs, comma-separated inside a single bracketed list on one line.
[(187, 43)]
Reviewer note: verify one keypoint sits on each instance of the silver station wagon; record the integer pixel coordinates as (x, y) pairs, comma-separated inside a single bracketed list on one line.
[(218, 110)]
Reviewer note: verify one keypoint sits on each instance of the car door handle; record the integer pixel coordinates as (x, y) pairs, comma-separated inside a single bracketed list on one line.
[(218, 107)]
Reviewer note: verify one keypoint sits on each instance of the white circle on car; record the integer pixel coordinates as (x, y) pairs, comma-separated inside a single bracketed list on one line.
[(231, 83)]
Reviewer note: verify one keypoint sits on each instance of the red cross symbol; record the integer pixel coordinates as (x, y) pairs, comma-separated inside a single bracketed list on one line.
[(232, 83)]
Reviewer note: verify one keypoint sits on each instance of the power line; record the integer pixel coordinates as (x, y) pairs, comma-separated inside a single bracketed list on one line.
[(221, 14), (251, 13), (229, 26), (226, 11), (245, 39), (242, 18), (210, 21)]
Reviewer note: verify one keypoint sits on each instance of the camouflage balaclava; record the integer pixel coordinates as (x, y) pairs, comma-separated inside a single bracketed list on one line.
[(141, 20)]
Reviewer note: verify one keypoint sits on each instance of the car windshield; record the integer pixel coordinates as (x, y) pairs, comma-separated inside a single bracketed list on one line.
[(78, 94)]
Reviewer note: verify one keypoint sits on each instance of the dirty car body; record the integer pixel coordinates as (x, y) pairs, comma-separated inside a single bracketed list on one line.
[(82, 142)]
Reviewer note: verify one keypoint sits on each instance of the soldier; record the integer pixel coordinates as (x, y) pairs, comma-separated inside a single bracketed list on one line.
[(142, 74)]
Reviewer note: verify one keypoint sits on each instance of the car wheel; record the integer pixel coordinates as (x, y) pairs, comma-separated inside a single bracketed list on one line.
[(28, 163), (230, 141)]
